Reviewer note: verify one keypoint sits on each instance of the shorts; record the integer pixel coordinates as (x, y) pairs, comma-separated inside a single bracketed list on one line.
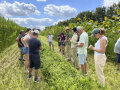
[(118, 58), (59, 43), (50, 43), (34, 61), (21, 50), (82, 58), (25, 50)]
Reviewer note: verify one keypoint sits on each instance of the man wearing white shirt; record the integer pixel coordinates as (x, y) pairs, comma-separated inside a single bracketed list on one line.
[(50, 41), (117, 51)]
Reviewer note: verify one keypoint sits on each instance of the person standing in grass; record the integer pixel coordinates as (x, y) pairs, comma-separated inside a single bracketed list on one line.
[(117, 51), (59, 42), (68, 43), (74, 49), (62, 40), (25, 40), (82, 48), (99, 53), (20, 44), (34, 47), (50, 41)]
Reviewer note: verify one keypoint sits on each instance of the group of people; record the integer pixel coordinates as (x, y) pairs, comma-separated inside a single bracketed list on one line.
[(29, 46), (78, 42)]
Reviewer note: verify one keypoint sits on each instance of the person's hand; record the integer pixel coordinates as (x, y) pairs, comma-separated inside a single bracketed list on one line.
[(20, 44), (91, 47), (76, 45), (26, 46)]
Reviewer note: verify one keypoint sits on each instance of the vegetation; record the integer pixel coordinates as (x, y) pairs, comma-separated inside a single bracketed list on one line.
[(8, 33), (56, 72), (95, 15), (111, 25)]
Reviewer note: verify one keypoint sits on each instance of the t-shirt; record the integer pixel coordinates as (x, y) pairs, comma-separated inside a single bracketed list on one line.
[(50, 37), (19, 38), (34, 46), (62, 38), (83, 39), (117, 47), (69, 35)]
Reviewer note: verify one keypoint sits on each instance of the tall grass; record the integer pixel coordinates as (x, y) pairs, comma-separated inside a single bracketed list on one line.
[(8, 32)]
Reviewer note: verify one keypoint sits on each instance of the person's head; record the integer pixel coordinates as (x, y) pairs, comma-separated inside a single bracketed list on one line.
[(35, 33), (27, 31), (22, 32), (80, 30), (74, 30), (67, 29), (34, 28), (97, 33), (62, 34), (49, 33)]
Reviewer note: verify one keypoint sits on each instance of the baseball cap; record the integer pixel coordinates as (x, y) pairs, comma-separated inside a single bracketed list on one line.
[(35, 31), (67, 28), (79, 28), (95, 31)]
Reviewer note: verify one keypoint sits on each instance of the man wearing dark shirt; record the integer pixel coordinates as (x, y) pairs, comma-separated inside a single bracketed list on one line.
[(20, 44), (68, 43), (34, 47)]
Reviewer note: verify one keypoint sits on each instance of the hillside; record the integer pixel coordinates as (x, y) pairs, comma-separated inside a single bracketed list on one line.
[(9, 30), (55, 71)]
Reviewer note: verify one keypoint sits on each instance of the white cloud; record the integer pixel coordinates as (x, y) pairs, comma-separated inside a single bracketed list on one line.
[(41, 0), (108, 3), (41, 27), (58, 21), (60, 11), (33, 22), (17, 9)]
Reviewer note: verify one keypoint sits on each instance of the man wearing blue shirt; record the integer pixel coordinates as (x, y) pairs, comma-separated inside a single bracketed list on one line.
[(34, 47)]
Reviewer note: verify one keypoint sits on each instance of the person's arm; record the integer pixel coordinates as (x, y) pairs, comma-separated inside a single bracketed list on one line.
[(80, 45), (40, 47), (102, 46), (24, 40), (17, 39), (81, 42)]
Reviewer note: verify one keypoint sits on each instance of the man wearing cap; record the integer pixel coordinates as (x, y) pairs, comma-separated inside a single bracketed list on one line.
[(68, 43), (117, 51), (34, 47), (20, 44), (82, 48)]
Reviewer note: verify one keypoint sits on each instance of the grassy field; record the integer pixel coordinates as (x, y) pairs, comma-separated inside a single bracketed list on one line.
[(56, 72)]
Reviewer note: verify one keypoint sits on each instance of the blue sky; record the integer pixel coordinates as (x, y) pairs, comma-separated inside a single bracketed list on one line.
[(41, 13)]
